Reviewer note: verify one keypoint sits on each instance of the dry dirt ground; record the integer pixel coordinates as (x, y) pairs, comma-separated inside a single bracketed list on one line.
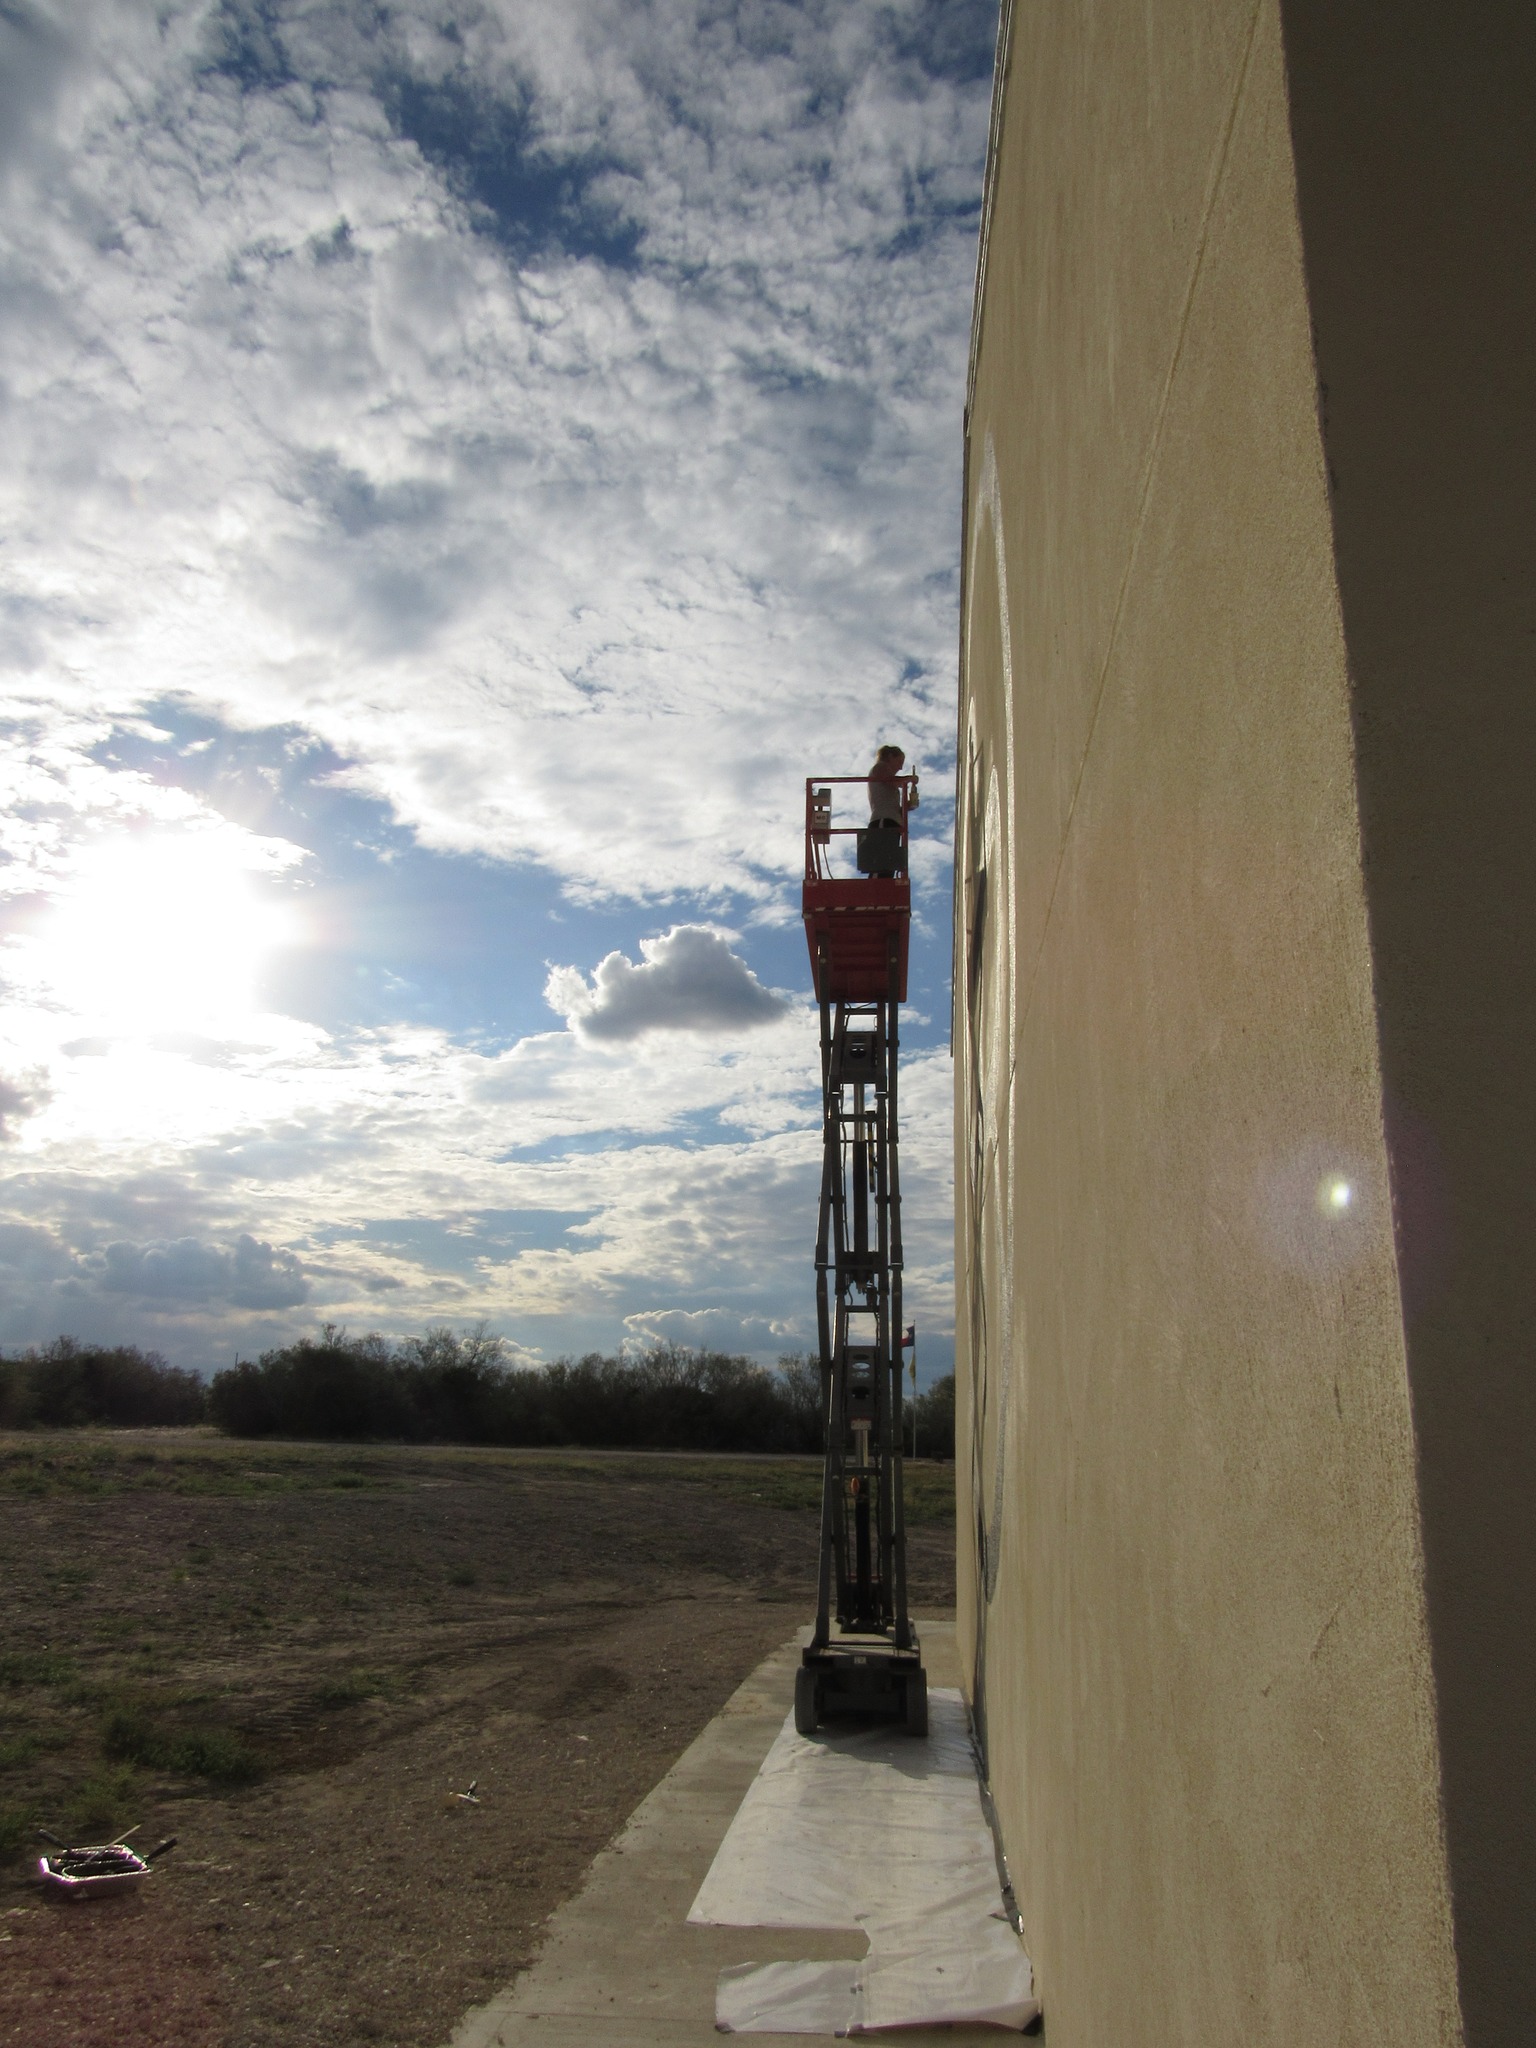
[(293, 1657)]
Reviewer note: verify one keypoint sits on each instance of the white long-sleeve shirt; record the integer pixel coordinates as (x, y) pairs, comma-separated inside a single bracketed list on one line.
[(884, 798)]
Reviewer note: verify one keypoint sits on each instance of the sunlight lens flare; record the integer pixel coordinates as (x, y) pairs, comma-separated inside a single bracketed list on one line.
[(165, 932)]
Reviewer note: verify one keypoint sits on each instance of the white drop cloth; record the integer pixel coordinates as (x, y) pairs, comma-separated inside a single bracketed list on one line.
[(868, 1829)]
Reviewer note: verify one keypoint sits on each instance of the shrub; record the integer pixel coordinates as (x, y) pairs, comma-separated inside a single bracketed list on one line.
[(17, 1824), (103, 1805), (68, 1385), (15, 1393), (669, 1398), (351, 1688), (333, 1387), (35, 1667), (215, 1754), (447, 1388), (134, 1737), (936, 1419)]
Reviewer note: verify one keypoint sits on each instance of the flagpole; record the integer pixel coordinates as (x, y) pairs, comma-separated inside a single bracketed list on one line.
[(914, 1390)]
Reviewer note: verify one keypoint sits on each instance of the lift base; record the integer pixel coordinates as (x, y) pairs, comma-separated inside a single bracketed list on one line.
[(861, 1675)]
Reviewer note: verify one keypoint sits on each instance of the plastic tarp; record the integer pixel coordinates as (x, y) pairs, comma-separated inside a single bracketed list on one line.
[(869, 1829)]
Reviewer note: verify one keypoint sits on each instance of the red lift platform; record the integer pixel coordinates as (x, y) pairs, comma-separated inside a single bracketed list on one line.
[(863, 1656), (852, 922)]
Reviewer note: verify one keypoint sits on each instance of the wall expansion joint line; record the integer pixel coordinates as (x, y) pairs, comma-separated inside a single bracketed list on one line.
[(1149, 469)]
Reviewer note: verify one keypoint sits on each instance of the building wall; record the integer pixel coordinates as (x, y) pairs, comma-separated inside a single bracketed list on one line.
[(1415, 136), (1192, 1593)]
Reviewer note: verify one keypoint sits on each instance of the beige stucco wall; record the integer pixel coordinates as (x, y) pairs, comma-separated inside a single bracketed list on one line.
[(1191, 1576), (1415, 142)]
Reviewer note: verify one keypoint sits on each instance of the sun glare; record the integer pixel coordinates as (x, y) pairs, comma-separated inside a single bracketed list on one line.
[(165, 932)]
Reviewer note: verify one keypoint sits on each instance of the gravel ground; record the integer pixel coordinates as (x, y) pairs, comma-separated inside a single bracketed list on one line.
[(293, 1658)]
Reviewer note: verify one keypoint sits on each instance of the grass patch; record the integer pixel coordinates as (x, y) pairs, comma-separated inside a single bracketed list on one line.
[(929, 1492), (463, 1575), (217, 1755), (186, 1462), (135, 1737), (102, 1805), (17, 1823), (794, 1484), (351, 1688), (35, 1667), (18, 1749), (194, 1462)]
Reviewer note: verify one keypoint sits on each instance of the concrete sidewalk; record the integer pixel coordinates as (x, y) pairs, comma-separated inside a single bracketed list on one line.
[(620, 1967)]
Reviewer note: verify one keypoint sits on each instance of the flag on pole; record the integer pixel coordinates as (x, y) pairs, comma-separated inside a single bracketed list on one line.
[(909, 1337)]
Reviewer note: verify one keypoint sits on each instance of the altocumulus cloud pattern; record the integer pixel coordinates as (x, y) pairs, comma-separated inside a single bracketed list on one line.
[(455, 457)]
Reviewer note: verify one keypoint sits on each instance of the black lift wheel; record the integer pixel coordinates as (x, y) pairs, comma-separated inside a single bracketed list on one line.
[(807, 1701), (914, 1714)]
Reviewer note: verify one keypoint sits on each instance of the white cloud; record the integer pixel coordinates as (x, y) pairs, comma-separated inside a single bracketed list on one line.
[(581, 515), (30, 1255), (680, 1176), (290, 435), (247, 1275), (713, 1329), (688, 979)]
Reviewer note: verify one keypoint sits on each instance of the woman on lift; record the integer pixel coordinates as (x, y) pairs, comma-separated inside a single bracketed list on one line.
[(883, 847), (884, 794)]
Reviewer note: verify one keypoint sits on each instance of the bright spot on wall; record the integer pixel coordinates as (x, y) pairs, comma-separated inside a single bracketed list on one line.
[(1312, 1206)]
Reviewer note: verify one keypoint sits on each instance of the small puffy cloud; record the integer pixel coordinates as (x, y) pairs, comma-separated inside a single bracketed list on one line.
[(251, 1275), (265, 1277), (710, 1329), (183, 1270), (686, 980)]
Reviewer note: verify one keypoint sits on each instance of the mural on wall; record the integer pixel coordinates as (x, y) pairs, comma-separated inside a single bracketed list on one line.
[(986, 1000)]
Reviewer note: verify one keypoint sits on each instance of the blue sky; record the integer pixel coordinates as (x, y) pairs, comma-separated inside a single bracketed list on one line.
[(461, 467)]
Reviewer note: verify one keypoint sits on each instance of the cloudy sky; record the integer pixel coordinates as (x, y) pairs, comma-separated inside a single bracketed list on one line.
[(463, 463)]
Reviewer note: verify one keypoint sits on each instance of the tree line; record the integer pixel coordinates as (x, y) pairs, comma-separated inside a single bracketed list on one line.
[(448, 1387), (67, 1385)]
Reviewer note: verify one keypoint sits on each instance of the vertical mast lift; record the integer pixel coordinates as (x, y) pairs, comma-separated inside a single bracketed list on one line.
[(857, 930)]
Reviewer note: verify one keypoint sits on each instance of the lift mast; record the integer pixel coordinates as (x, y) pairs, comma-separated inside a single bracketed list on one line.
[(864, 1655)]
